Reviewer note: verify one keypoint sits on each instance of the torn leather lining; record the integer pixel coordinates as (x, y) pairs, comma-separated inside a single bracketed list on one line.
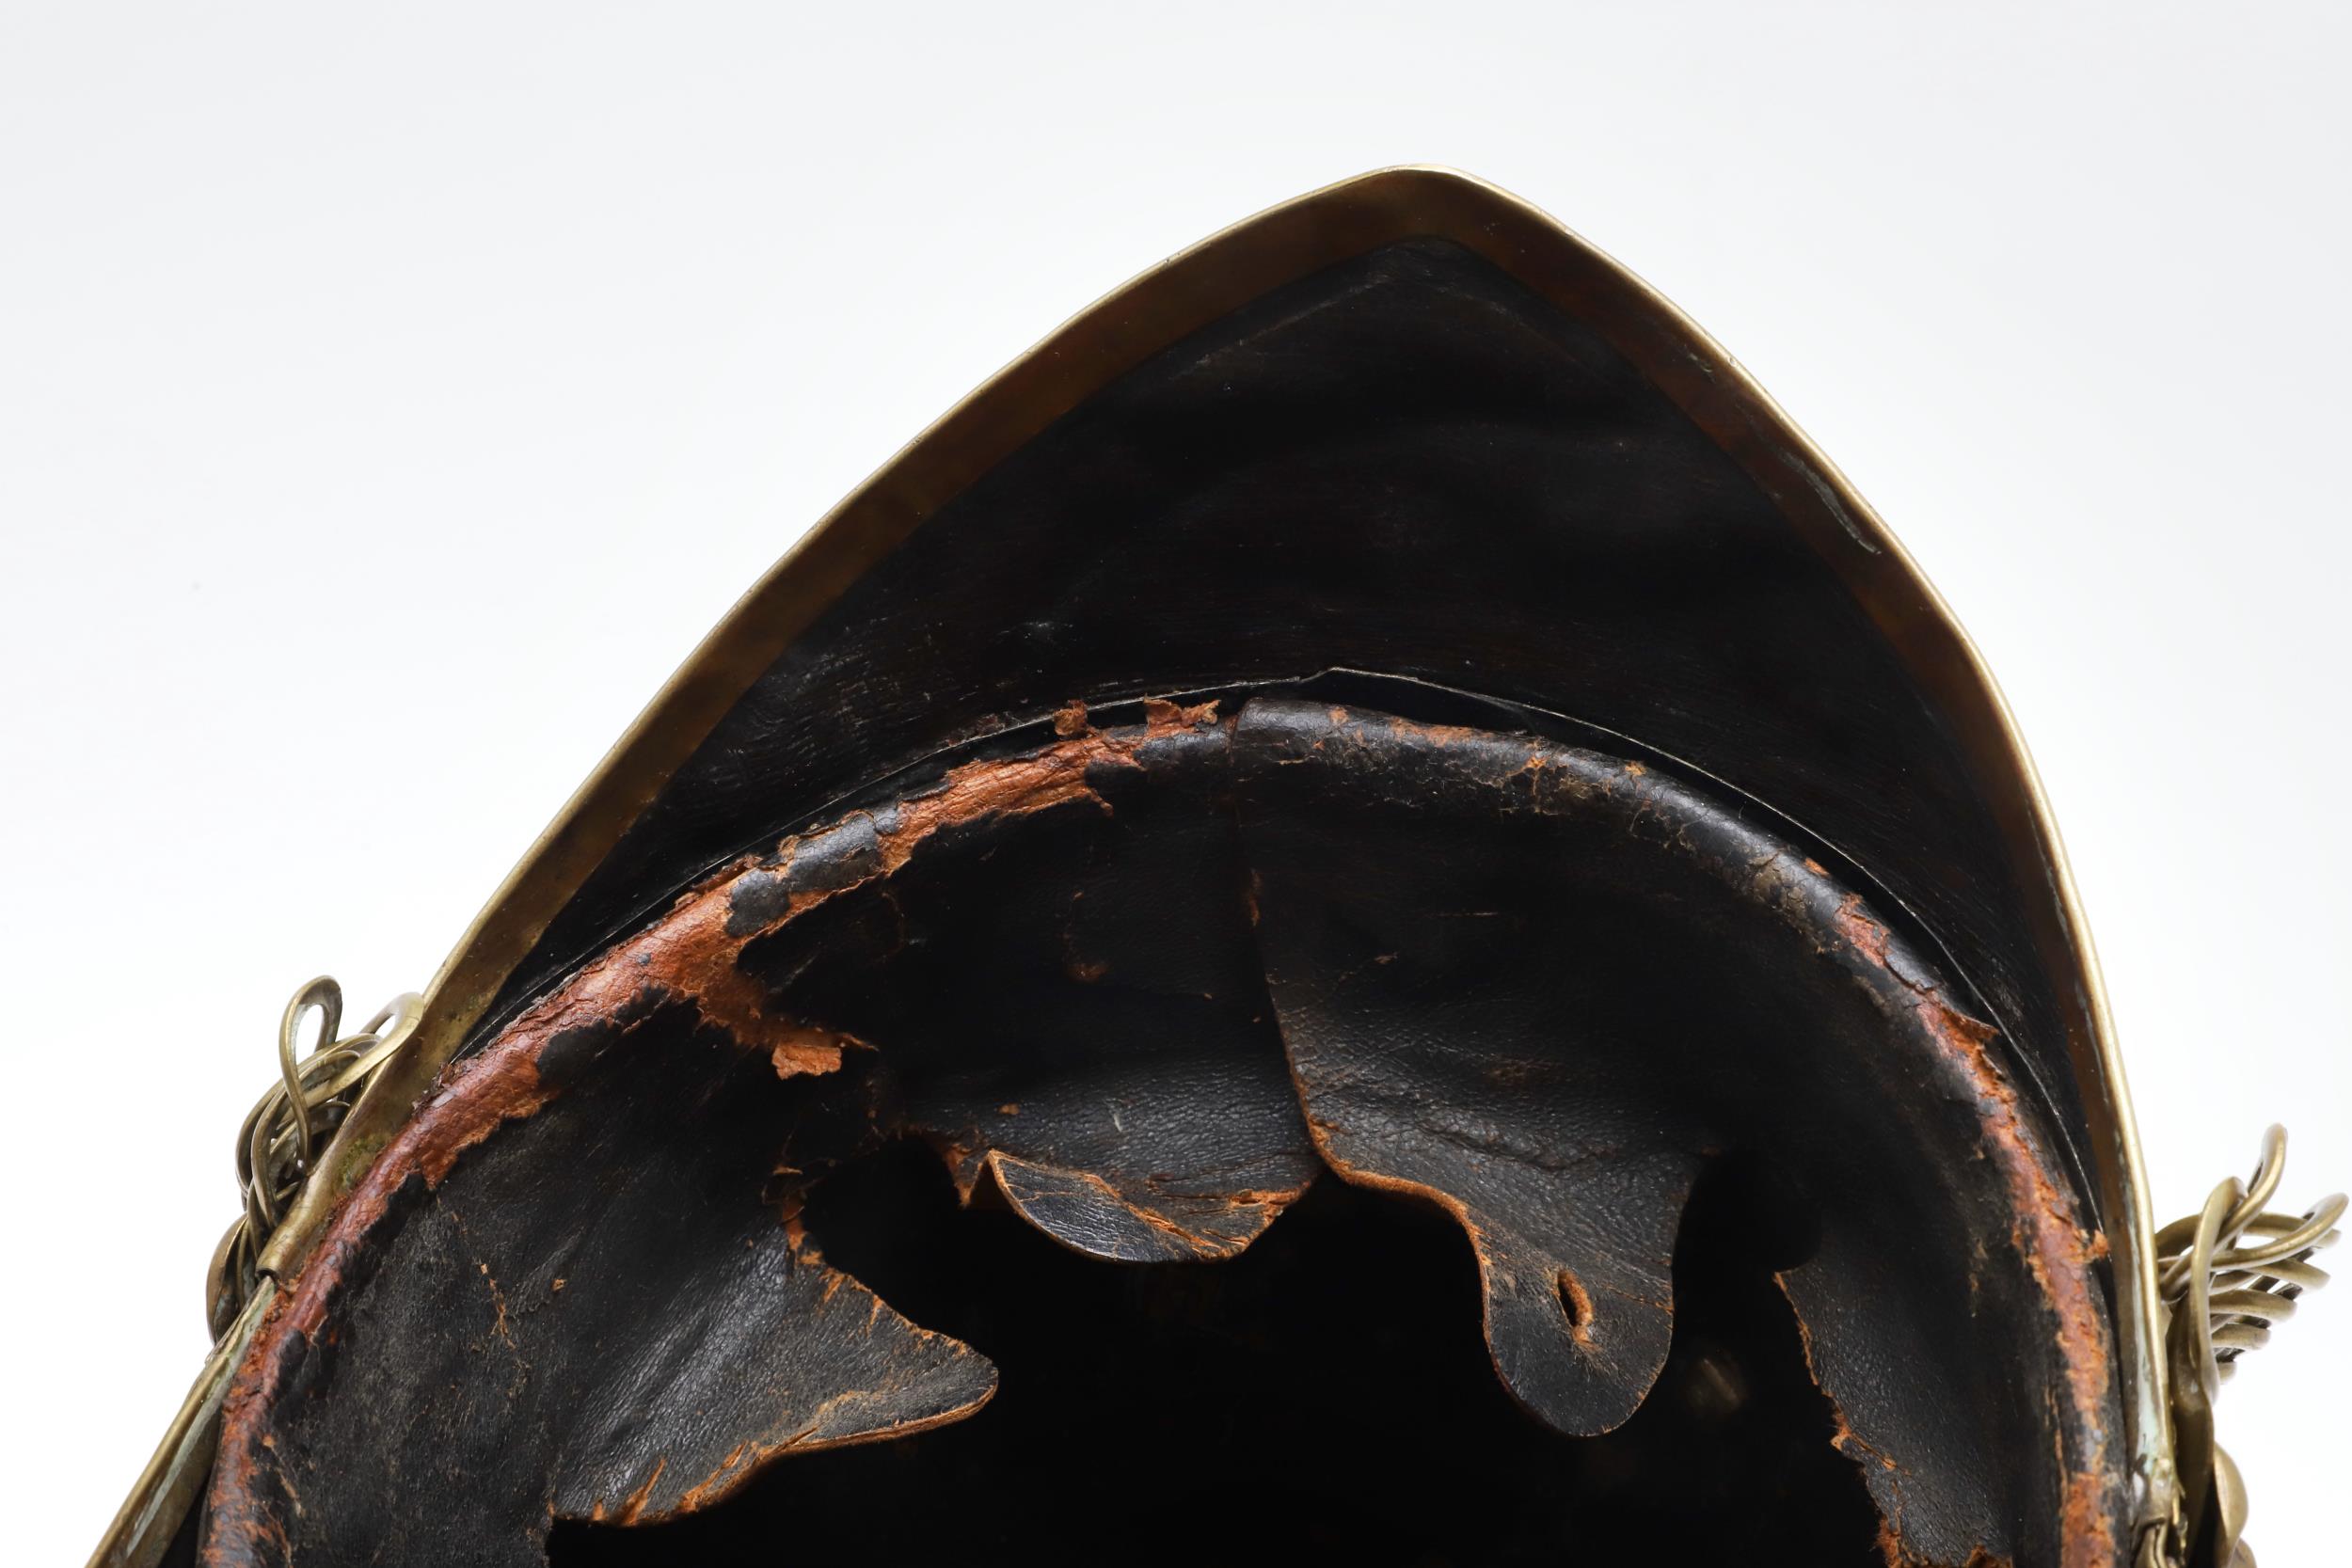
[(1055, 967)]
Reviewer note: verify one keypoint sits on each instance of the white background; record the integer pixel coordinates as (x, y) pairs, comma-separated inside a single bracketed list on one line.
[(388, 399)]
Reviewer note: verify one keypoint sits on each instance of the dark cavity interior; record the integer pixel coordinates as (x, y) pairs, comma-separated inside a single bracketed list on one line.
[(1329, 1386)]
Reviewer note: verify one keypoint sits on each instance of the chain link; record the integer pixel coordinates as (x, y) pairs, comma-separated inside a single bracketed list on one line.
[(2227, 1273), (290, 1125)]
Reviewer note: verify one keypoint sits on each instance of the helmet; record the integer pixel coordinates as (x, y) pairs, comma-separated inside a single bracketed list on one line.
[(1360, 911)]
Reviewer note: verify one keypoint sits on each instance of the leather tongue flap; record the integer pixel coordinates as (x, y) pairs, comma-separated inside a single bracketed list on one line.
[(1452, 1036), (785, 1356)]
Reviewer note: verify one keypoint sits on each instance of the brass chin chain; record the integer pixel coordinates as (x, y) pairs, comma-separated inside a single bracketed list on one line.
[(2227, 1273), (282, 1135)]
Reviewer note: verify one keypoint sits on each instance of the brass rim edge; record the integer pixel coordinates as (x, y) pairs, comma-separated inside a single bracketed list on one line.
[(1192, 288), (167, 1488)]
